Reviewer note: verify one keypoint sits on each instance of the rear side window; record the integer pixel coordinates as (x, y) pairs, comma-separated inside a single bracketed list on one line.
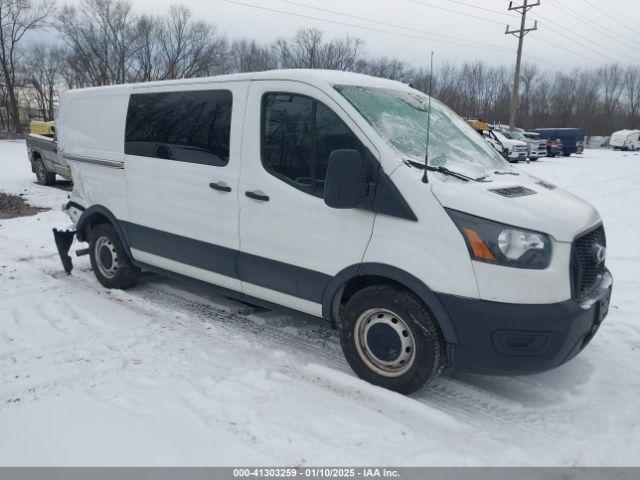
[(193, 126), (298, 136)]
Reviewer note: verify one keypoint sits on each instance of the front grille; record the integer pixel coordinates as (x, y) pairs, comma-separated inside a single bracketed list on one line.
[(586, 271)]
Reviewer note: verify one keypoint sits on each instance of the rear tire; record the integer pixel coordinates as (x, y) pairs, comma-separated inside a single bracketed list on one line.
[(390, 339), (43, 176), (109, 261)]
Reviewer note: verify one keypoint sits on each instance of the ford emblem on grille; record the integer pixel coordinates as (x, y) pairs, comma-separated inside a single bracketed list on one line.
[(599, 254)]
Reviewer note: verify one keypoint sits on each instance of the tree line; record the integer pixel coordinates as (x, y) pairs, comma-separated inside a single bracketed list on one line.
[(46, 49)]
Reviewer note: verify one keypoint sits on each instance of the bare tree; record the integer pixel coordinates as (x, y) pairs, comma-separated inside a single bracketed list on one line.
[(307, 49), (146, 51), (632, 92), (100, 35), (385, 67), (43, 67), (248, 56), (190, 48), (17, 18)]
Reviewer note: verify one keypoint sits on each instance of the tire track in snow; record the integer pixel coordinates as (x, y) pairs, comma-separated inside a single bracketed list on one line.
[(466, 402)]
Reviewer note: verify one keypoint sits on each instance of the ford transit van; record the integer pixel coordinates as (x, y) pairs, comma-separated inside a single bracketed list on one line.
[(309, 191)]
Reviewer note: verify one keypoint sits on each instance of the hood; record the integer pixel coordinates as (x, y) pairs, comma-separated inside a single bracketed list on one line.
[(514, 143), (542, 207)]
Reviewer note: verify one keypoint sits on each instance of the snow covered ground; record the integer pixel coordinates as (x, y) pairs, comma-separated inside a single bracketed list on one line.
[(164, 375)]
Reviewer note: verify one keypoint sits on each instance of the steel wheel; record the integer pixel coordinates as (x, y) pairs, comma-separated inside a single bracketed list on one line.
[(106, 257), (385, 342), (41, 172)]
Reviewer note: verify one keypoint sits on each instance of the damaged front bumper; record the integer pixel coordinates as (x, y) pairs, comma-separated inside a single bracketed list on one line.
[(64, 238)]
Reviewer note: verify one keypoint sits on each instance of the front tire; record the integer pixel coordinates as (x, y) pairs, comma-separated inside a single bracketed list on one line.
[(390, 339), (110, 263), (43, 176)]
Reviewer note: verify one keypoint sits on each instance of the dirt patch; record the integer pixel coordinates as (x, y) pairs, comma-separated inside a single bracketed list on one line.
[(14, 206)]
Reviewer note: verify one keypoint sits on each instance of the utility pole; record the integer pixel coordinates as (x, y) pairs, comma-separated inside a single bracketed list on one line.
[(522, 9)]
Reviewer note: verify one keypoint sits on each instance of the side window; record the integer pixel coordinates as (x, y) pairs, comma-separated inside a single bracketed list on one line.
[(192, 126), (298, 136)]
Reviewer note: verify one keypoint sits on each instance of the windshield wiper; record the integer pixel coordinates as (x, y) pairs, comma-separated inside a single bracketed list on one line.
[(502, 172), (446, 171)]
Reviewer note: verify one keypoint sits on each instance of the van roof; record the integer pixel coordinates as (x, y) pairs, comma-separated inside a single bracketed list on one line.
[(625, 132), (311, 76)]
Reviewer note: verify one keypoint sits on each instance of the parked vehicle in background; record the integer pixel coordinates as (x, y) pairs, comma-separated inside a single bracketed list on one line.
[(484, 130), (42, 151), (625, 140), (572, 138), (46, 129), (538, 146), (512, 149), (554, 148), (306, 189), (479, 126)]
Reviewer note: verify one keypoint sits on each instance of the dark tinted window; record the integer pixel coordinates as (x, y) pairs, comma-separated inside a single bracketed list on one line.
[(192, 126), (298, 136)]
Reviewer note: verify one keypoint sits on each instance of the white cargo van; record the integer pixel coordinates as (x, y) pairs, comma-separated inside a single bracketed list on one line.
[(308, 190), (625, 140)]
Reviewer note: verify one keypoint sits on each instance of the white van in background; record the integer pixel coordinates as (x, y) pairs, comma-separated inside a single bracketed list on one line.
[(308, 190), (625, 140)]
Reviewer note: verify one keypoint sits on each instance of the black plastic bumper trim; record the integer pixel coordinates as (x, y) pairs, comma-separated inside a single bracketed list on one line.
[(558, 332)]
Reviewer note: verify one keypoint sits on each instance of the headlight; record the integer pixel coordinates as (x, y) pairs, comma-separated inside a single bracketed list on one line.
[(501, 244)]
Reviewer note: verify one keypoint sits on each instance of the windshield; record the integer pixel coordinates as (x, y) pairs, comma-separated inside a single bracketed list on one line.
[(514, 135), (400, 117)]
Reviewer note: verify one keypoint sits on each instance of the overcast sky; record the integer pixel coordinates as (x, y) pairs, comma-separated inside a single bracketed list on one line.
[(617, 41)]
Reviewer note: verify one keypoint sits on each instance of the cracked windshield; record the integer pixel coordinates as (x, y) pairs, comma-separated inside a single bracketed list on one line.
[(400, 117)]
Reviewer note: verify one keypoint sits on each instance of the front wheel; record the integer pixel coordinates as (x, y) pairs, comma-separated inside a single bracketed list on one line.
[(110, 263), (390, 339)]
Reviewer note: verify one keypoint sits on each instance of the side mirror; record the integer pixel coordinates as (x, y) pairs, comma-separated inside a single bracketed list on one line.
[(346, 180)]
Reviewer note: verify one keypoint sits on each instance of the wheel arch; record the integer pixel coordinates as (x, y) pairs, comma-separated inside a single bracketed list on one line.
[(95, 215), (367, 274)]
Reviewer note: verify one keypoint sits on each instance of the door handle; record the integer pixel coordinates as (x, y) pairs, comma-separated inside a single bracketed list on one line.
[(257, 195), (220, 187)]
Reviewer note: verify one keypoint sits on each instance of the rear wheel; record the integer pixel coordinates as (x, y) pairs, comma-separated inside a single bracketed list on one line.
[(110, 263), (390, 339), (43, 176)]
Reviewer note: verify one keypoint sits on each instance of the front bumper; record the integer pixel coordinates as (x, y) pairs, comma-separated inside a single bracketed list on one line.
[(517, 155), (513, 339)]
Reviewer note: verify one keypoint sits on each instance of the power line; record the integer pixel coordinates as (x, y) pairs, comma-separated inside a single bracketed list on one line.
[(393, 25), (586, 39), (595, 26), (546, 20), (548, 42), (562, 34), (607, 14), (477, 7), (450, 10), (495, 22), (388, 32)]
